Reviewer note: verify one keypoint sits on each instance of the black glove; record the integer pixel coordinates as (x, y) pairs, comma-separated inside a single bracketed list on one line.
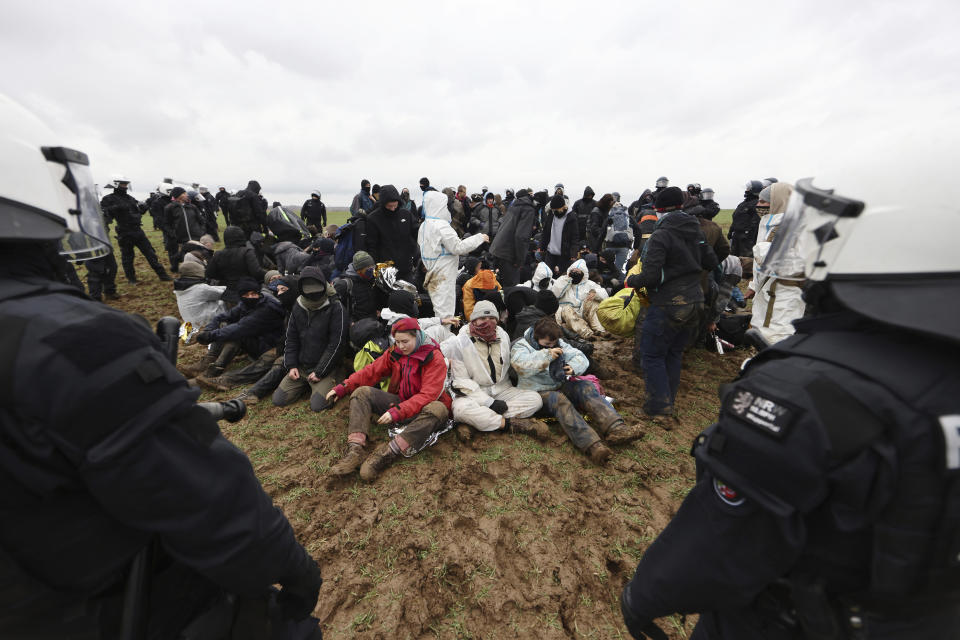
[(205, 337), (499, 406), (299, 595), (639, 628)]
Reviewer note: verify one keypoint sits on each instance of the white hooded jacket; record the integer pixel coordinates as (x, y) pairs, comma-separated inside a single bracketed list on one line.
[(470, 374), (542, 271), (439, 249), (574, 295)]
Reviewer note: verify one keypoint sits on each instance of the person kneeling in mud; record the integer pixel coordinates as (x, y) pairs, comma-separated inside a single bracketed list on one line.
[(416, 400), (486, 400), (545, 363)]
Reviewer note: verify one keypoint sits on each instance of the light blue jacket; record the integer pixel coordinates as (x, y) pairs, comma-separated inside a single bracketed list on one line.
[(533, 365)]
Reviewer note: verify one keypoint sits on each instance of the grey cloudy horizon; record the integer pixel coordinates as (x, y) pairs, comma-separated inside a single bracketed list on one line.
[(610, 94)]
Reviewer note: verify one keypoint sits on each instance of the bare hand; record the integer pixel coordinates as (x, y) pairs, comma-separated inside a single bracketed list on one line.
[(749, 294), (454, 320), (332, 396), (485, 237), (386, 418), (294, 374), (591, 295), (555, 353), (712, 327), (567, 369), (313, 378)]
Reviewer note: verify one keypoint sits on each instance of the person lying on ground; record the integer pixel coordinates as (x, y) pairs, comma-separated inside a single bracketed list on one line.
[(579, 298)]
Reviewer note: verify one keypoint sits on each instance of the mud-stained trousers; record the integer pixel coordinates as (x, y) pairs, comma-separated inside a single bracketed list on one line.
[(583, 325), (253, 371), (290, 390), (367, 402), (270, 380), (138, 239), (573, 398), (520, 404), (638, 340)]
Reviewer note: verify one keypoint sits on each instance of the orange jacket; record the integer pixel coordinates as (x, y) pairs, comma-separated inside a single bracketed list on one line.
[(485, 280)]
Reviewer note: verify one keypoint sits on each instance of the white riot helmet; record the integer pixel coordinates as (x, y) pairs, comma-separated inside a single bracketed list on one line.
[(203, 189), (706, 194), (662, 182), (46, 192), (315, 192), (871, 266), (118, 178), (164, 188)]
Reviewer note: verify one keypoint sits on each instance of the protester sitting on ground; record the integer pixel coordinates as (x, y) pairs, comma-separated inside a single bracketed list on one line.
[(198, 301), (236, 261), (253, 326), (440, 249), (545, 363), (579, 298), (287, 225), (482, 286), (403, 304), (357, 289), (542, 278), (416, 400), (611, 277), (267, 371), (198, 251), (732, 274), (316, 341), (485, 398)]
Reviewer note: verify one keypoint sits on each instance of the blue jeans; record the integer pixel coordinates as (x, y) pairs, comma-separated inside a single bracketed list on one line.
[(737, 296), (620, 259), (666, 332), (566, 405)]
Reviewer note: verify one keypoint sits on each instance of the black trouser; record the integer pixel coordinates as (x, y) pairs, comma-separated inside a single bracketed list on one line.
[(102, 276), (137, 238), (507, 276), (172, 247), (270, 380), (558, 264)]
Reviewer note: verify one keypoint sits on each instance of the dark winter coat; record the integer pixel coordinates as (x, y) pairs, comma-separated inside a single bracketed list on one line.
[(569, 243), (745, 221), (185, 221), (581, 211), (251, 209), (314, 212), (316, 340), (256, 329), (484, 219), (363, 298), (286, 226), (673, 258), (392, 235), (512, 243), (237, 260)]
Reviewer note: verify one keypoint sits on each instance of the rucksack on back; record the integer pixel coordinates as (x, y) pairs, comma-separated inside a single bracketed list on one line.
[(370, 351), (619, 231), (239, 208), (343, 253)]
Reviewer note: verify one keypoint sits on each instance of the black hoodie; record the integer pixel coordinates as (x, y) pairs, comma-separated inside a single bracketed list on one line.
[(392, 235), (673, 258), (582, 208), (236, 261)]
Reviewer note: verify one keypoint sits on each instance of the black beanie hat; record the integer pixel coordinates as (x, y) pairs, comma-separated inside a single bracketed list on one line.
[(547, 302), (403, 302), (176, 192), (247, 284), (557, 202), (669, 197)]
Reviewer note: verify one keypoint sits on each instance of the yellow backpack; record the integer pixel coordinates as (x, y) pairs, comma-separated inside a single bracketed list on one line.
[(619, 312)]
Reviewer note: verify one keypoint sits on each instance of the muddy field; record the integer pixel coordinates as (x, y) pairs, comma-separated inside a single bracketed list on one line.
[(502, 537)]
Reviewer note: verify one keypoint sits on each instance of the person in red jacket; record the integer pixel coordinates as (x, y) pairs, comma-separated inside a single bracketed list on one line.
[(416, 400)]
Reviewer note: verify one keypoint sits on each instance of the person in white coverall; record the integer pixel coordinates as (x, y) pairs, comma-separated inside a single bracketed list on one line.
[(439, 249), (542, 278), (777, 300), (484, 396), (579, 298)]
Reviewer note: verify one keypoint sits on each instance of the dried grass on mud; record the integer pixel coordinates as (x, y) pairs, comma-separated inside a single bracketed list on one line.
[(504, 537)]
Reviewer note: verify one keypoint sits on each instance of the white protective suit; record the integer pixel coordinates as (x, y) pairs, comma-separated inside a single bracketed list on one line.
[(777, 302), (542, 271), (476, 389), (575, 312), (432, 327), (439, 249)]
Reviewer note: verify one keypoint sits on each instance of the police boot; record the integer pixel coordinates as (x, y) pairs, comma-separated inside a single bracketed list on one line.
[(620, 433), (350, 461), (530, 426), (599, 453), (376, 462)]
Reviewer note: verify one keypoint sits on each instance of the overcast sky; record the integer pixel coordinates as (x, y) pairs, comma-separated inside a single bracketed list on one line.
[(505, 94)]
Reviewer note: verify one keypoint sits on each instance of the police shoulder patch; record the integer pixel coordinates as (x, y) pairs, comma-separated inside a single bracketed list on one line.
[(769, 415), (728, 494)]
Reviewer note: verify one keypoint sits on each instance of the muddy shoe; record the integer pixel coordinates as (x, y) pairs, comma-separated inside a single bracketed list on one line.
[(599, 453), (623, 434), (464, 433), (530, 426), (377, 461), (214, 384), (248, 398), (350, 461), (212, 371), (665, 421)]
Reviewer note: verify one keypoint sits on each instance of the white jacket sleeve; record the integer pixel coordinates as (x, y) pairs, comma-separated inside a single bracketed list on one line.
[(453, 244)]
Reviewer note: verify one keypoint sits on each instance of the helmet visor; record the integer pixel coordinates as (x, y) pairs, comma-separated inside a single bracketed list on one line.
[(785, 259), (91, 241)]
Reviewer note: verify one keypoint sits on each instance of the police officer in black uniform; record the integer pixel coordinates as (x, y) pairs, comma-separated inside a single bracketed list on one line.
[(828, 498), (124, 209), (104, 451)]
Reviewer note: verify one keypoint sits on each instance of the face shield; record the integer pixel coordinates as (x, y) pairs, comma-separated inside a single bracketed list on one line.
[(706, 194), (86, 235), (808, 224)]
